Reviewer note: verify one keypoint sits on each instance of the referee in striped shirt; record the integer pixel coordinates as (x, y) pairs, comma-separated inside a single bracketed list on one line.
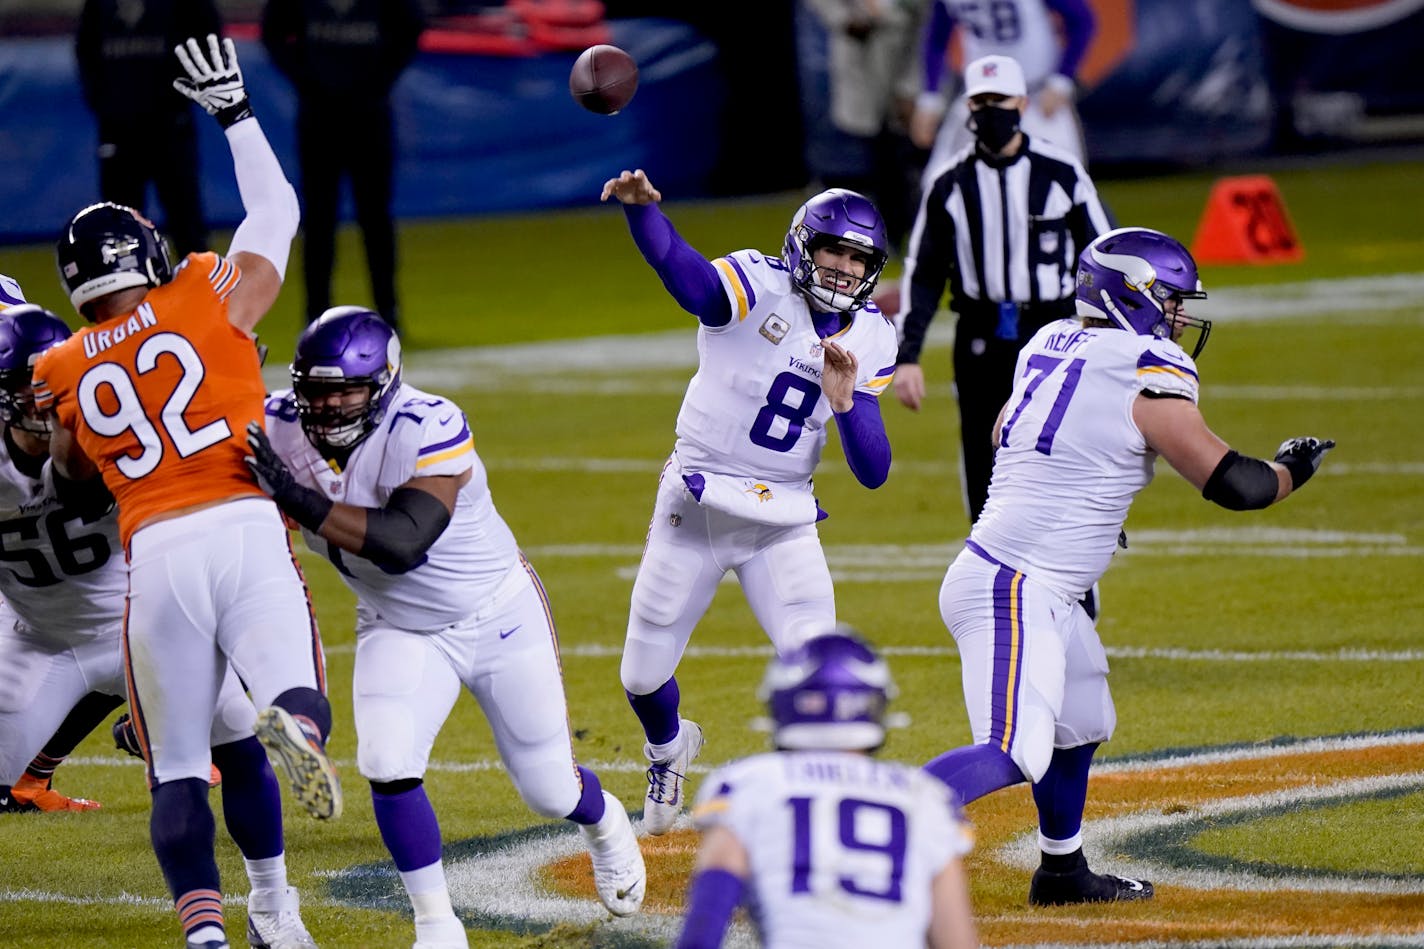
[(1003, 226)]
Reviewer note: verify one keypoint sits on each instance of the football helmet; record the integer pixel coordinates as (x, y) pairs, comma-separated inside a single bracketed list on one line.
[(829, 693), (10, 292), (1126, 277), (108, 247), (837, 216), (25, 331), (346, 348)]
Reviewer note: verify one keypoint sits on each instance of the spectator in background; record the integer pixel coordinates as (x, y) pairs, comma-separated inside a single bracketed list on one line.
[(343, 59), (874, 74), (146, 130), (1023, 30)]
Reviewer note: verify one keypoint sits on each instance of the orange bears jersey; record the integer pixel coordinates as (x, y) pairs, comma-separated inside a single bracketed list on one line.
[(160, 398)]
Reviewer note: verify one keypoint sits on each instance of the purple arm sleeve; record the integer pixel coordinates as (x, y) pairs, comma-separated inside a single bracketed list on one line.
[(937, 31), (1078, 27), (867, 447), (688, 276), (712, 898)]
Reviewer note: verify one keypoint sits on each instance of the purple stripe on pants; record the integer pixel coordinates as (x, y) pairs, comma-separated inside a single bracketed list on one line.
[(1007, 663)]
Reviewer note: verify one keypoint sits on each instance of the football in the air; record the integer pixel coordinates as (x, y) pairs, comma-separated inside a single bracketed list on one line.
[(603, 79)]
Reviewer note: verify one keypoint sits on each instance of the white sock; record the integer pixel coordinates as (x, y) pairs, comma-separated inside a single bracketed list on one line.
[(269, 873), (207, 933), (1060, 848), (663, 752), (429, 895)]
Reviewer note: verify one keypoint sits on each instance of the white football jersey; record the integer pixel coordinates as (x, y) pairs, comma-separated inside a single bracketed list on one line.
[(1071, 458), (755, 407), (843, 848), (64, 577), (1019, 29), (422, 435)]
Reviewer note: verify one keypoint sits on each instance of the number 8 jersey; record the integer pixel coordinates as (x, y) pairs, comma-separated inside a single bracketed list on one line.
[(1070, 457), (160, 398), (755, 406)]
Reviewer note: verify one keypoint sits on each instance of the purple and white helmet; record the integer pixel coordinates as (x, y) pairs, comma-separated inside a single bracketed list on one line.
[(829, 693), (1126, 276), (346, 347), (837, 216), (26, 330)]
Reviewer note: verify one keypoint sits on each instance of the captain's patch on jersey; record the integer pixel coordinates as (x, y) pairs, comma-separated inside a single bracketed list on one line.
[(775, 328)]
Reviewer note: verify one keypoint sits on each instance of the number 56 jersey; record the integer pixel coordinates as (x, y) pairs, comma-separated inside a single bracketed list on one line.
[(1070, 457), (755, 406), (843, 848)]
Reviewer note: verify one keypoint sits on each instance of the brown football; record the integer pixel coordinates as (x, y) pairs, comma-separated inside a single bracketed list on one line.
[(603, 79)]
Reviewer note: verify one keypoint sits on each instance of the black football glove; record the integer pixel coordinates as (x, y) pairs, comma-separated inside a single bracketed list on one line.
[(125, 737), (1302, 457), (299, 502)]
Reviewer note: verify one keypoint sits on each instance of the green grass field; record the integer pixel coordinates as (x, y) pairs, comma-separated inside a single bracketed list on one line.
[(1224, 629)]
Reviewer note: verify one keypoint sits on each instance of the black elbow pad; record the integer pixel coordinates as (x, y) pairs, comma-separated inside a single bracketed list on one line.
[(1240, 483), (399, 534)]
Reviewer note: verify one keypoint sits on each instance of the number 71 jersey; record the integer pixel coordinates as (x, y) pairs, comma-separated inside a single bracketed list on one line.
[(160, 398), (1070, 457), (755, 406)]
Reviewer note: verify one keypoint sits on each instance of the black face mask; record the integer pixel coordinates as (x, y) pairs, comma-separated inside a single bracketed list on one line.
[(993, 126)]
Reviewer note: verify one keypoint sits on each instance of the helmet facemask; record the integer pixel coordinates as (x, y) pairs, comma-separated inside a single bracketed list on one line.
[(834, 218), (1139, 280), (17, 404), (344, 375)]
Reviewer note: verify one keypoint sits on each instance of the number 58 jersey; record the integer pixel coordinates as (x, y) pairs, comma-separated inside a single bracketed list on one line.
[(755, 406), (1070, 457), (843, 848)]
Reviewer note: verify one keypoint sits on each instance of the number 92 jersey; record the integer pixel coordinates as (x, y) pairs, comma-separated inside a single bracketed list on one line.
[(160, 398), (1070, 457), (843, 849), (755, 406)]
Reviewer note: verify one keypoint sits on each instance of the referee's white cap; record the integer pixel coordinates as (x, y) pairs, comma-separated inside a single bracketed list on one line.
[(999, 75)]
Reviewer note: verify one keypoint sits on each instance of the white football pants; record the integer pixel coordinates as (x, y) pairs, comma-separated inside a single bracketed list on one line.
[(689, 549), (507, 655), (1034, 670)]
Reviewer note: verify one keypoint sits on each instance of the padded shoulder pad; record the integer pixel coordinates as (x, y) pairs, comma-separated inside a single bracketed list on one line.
[(1164, 368)]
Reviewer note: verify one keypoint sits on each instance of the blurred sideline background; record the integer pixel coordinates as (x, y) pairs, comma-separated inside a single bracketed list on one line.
[(733, 104)]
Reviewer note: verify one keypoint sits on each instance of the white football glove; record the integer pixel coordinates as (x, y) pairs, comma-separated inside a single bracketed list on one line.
[(215, 80)]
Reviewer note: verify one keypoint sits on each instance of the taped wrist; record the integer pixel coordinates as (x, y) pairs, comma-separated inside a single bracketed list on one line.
[(89, 498), (307, 506), (399, 534), (1240, 483)]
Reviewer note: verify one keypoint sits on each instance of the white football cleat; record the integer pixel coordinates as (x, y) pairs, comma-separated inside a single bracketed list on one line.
[(301, 757), (666, 776), (619, 874), (274, 920)]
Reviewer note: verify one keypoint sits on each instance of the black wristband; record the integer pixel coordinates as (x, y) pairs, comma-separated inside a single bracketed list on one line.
[(304, 505), (1300, 470), (231, 115)]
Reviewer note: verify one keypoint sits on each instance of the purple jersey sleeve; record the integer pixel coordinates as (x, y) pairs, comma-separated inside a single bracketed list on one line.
[(863, 438), (688, 276), (938, 28)]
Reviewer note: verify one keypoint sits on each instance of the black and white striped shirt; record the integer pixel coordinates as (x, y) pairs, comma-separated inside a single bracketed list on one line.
[(999, 230)]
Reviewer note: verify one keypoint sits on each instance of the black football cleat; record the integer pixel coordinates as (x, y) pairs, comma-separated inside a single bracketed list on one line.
[(1083, 886)]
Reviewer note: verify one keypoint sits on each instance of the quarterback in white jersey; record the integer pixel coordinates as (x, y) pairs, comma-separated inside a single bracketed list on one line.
[(785, 344), (384, 480), (827, 846), (1095, 401), (1023, 30)]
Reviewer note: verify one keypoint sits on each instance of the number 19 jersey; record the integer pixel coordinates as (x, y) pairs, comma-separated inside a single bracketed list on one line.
[(843, 848), (755, 407), (160, 398), (1070, 457)]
